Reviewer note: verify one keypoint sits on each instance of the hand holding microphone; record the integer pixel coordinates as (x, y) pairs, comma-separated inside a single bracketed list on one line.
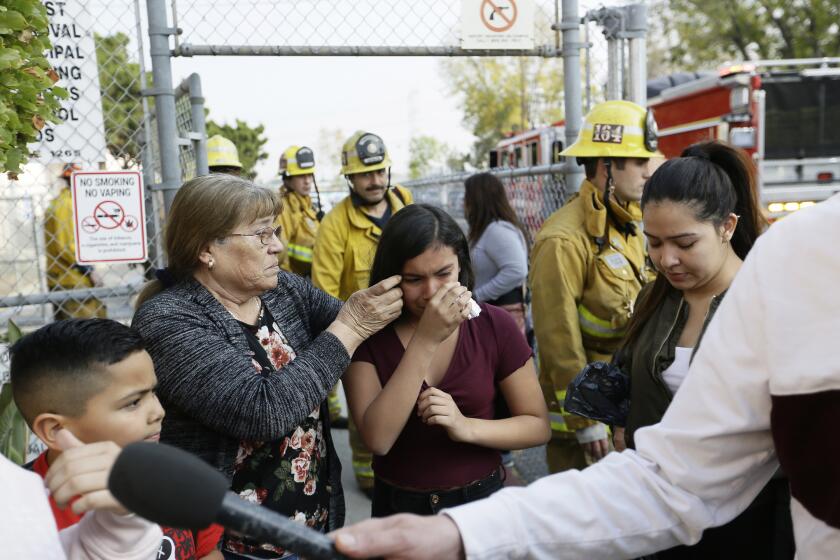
[(176, 489)]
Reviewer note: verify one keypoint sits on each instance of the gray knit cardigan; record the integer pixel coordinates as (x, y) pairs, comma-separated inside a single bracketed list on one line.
[(213, 396)]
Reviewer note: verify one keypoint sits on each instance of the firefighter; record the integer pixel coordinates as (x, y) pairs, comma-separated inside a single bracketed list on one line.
[(347, 240), (299, 226), (299, 218), (63, 272), (587, 267), (222, 156)]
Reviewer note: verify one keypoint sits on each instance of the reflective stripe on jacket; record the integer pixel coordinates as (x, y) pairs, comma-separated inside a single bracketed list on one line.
[(300, 228), (582, 298), (60, 242), (346, 244)]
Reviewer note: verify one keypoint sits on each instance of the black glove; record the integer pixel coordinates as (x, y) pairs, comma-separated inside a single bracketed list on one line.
[(601, 392)]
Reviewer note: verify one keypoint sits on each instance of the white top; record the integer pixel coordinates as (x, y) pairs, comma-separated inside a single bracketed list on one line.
[(675, 373), (772, 345), (28, 529)]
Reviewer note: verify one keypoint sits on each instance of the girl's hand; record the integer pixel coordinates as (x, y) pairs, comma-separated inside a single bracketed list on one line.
[(439, 409), (618, 439), (447, 309)]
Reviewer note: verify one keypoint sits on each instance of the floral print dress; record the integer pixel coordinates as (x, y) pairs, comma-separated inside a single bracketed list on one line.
[(290, 475)]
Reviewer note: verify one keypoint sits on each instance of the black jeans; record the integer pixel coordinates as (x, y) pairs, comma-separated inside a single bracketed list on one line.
[(388, 499)]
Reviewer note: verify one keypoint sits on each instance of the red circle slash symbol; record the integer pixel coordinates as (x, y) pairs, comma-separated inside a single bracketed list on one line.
[(109, 214), (130, 223), (498, 15), (89, 225)]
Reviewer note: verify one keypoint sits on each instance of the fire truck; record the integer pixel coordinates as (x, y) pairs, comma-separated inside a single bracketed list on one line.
[(785, 114), (538, 146)]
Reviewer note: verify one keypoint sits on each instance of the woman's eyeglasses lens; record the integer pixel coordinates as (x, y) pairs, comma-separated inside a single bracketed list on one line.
[(267, 233)]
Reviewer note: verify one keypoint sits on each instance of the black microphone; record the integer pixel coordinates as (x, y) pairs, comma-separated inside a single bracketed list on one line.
[(176, 489)]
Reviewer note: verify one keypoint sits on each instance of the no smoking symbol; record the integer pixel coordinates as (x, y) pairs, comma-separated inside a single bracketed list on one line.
[(498, 15), (89, 225), (109, 214)]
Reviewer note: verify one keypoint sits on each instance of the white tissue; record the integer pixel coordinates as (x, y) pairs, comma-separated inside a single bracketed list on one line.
[(475, 310)]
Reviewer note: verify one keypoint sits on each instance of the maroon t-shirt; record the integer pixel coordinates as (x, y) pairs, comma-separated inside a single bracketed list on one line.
[(489, 348)]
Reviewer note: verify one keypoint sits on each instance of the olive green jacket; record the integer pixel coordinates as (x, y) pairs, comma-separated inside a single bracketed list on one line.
[(651, 354)]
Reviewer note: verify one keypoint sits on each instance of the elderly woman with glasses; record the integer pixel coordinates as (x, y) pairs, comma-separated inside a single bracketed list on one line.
[(245, 354)]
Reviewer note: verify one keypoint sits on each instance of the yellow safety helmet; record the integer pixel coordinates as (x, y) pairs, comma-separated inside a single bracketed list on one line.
[(221, 152), (363, 152), (616, 129), (297, 160), (69, 169)]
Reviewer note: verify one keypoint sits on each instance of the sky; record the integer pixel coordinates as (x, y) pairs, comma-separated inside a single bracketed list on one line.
[(298, 99), (317, 100)]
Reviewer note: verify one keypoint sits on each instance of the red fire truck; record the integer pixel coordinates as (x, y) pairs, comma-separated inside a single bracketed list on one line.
[(786, 114), (538, 146)]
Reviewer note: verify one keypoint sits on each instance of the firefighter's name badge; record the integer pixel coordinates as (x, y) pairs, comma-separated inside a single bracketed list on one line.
[(615, 261), (610, 133)]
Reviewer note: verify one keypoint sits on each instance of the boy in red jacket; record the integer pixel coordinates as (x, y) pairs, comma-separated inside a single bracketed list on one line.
[(94, 378)]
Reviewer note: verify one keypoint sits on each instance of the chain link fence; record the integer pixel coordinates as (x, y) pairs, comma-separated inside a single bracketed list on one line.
[(533, 192), (39, 278), (95, 43), (336, 27), (189, 122)]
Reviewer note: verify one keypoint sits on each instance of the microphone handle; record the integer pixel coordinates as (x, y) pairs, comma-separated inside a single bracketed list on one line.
[(268, 526)]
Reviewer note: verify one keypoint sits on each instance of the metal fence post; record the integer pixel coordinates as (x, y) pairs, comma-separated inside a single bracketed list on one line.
[(199, 129), (636, 32), (614, 81), (571, 84), (164, 99), (147, 156)]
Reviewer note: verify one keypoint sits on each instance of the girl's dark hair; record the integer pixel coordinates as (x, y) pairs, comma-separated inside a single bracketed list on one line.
[(485, 202), (410, 232), (715, 180)]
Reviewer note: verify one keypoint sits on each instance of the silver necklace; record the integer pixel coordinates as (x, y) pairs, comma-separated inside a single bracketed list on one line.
[(260, 313)]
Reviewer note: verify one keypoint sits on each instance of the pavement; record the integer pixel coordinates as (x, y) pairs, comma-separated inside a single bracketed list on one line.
[(358, 505)]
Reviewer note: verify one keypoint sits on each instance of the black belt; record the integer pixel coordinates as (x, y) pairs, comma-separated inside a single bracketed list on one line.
[(439, 499), (513, 296)]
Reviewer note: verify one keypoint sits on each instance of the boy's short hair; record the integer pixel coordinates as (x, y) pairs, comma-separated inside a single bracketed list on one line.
[(59, 367)]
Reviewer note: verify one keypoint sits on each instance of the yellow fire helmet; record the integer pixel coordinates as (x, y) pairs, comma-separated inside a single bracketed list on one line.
[(221, 152), (69, 168), (616, 129), (297, 160), (363, 152)]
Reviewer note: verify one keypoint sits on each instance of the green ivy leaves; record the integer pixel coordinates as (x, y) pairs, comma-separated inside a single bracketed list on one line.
[(28, 98), (14, 434)]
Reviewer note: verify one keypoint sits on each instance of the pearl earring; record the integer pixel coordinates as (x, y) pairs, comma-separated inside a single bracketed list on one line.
[(210, 264)]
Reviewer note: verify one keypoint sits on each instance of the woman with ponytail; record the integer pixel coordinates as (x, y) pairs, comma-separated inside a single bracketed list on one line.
[(701, 218)]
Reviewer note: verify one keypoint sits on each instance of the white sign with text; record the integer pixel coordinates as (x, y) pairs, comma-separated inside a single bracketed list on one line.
[(497, 24), (80, 136), (109, 217)]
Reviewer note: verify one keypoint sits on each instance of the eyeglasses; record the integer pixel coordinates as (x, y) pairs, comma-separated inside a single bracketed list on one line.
[(266, 234)]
